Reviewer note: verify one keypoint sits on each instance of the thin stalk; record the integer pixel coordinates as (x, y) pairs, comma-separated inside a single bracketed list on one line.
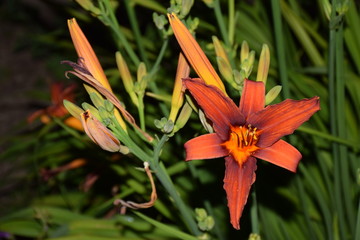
[(221, 22), (159, 58), (301, 195), (340, 100), (254, 213), (167, 183), (152, 85), (280, 47), (357, 230), (135, 27), (108, 18), (141, 112), (231, 21), (333, 124)]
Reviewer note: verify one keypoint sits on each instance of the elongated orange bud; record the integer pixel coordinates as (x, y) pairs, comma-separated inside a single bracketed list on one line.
[(101, 135), (194, 54), (85, 51)]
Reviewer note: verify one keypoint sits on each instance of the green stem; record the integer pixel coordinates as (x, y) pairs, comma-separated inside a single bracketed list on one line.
[(160, 56), (340, 98), (108, 18), (152, 85), (135, 27), (221, 22), (141, 112), (167, 183), (231, 21), (254, 213)]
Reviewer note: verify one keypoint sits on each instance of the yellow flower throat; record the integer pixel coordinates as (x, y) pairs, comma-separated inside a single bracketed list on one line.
[(241, 142)]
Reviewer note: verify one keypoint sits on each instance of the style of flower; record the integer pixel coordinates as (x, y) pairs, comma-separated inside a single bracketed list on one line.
[(245, 133)]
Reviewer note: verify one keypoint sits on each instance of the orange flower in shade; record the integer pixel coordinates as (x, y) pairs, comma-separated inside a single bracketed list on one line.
[(58, 93), (245, 133)]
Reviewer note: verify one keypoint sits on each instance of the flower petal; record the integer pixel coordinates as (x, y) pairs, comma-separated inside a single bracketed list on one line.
[(281, 154), (237, 183), (220, 109), (205, 147), (252, 98), (194, 54), (281, 119)]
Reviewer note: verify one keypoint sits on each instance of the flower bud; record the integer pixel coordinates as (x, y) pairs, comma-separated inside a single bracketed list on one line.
[(272, 94), (264, 64), (101, 135)]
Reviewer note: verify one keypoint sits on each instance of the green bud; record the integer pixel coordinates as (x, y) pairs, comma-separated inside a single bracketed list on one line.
[(186, 6), (205, 222), (204, 122), (108, 106), (244, 52), (183, 117), (264, 64), (96, 99), (92, 109), (254, 236), (74, 110), (272, 94), (159, 20)]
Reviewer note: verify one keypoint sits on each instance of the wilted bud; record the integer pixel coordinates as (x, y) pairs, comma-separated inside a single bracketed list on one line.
[(101, 135), (74, 110), (272, 94), (264, 64), (126, 77)]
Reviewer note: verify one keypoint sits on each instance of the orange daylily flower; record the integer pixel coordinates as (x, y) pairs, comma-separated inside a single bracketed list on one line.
[(194, 54), (245, 133), (58, 93)]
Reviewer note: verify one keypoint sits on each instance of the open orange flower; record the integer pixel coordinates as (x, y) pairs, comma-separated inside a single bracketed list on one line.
[(245, 133)]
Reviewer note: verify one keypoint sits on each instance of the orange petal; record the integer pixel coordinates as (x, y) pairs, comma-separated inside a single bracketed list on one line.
[(282, 119), (237, 183), (220, 109), (252, 98), (85, 51), (194, 54), (281, 154), (205, 147)]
